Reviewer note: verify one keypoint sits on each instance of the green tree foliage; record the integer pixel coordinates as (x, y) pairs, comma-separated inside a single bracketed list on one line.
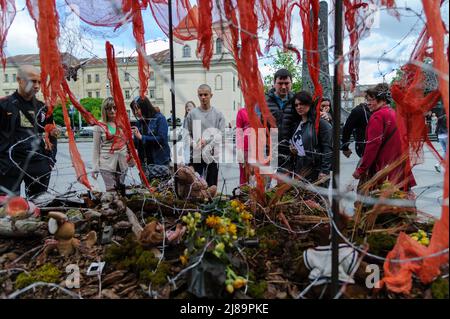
[(285, 60), (93, 105)]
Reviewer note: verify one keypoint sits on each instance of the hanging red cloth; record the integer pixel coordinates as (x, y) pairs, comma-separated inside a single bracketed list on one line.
[(276, 16), (355, 28), (46, 21), (134, 7), (205, 32), (7, 14), (411, 99), (122, 119), (309, 14)]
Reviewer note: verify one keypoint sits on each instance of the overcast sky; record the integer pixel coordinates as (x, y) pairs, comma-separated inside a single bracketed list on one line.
[(390, 39)]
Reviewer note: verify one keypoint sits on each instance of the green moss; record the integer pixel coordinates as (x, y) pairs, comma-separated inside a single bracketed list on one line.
[(146, 260), (47, 273), (133, 257), (257, 289), (157, 278), (380, 243), (439, 288)]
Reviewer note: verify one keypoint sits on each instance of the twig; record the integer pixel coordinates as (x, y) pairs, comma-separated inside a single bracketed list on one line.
[(26, 253)]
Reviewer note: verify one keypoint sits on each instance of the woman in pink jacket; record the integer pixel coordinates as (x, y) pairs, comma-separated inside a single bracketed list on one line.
[(242, 133), (383, 146)]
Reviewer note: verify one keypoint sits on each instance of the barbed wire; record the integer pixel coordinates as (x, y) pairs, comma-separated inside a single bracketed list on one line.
[(302, 184)]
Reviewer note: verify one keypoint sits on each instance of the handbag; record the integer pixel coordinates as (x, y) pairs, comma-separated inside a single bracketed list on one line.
[(153, 171)]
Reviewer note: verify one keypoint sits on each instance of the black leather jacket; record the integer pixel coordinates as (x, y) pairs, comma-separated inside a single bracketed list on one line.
[(318, 148), (10, 123), (284, 117)]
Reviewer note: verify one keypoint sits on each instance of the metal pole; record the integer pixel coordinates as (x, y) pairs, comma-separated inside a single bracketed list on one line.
[(172, 92), (338, 34)]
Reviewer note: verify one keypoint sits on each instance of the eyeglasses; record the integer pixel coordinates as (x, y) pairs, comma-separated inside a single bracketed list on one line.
[(302, 105)]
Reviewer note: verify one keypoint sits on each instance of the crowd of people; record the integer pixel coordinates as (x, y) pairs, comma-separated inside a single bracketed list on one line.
[(304, 148)]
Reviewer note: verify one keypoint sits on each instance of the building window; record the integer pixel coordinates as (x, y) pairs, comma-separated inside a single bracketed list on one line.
[(6, 78), (234, 105), (6, 92), (218, 82), (97, 78), (127, 76), (14, 77), (89, 78), (186, 51), (219, 45), (97, 94), (151, 93), (234, 83), (239, 83), (152, 76), (89, 94), (127, 94)]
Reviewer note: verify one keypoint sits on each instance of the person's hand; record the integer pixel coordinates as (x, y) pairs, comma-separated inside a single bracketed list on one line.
[(293, 149), (323, 176), (136, 133), (356, 175), (325, 116), (347, 153), (94, 175)]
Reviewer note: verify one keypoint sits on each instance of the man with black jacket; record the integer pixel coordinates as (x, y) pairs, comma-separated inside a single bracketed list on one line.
[(24, 153), (279, 101), (356, 123)]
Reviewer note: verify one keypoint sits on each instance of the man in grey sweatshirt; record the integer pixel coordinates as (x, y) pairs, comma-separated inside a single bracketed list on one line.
[(206, 127)]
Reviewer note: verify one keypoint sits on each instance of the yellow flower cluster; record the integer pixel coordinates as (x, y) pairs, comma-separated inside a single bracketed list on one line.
[(192, 220), (222, 226), (421, 237), (237, 205)]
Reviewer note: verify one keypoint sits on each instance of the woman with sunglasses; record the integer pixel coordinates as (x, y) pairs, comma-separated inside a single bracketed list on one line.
[(110, 153), (151, 133)]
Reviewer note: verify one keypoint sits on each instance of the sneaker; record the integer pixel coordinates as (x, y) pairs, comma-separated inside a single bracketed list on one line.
[(437, 167)]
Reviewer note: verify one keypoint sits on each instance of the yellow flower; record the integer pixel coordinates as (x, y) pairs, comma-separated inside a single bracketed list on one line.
[(232, 229), (212, 221), (251, 232), (239, 282), (184, 260), (197, 215), (234, 203), (230, 288), (425, 241), (221, 230), (220, 247), (246, 216)]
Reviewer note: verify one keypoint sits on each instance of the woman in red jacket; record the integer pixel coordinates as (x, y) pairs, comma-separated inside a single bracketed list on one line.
[(383, 146)]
